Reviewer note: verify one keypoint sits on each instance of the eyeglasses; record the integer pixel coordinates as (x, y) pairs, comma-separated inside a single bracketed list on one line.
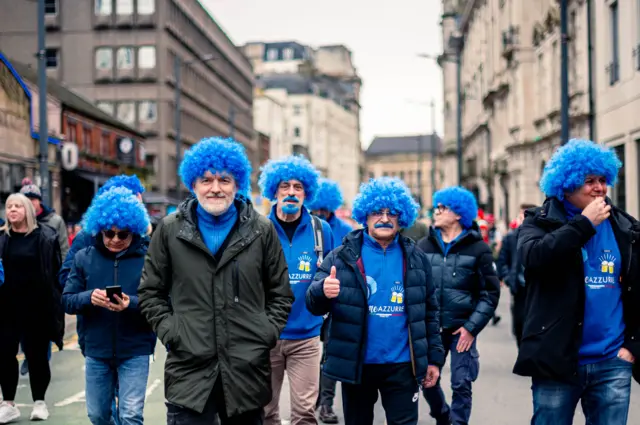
[(440, 209), (379, 214), (122, 234)]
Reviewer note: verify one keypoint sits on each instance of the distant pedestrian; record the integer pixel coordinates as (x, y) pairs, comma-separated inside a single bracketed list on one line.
[(117, 339), (216, 290), (30, 305)]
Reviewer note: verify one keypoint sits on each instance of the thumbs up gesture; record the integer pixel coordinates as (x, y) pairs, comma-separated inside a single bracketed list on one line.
[(331, 285)]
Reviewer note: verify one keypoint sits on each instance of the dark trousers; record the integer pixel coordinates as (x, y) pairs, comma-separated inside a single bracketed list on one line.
[(517, 314), (464, 371), (35, 345), (214, 409), (327, 385), (398, 389)]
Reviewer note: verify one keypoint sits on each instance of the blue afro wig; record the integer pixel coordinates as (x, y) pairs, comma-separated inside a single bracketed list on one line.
[(385, 192), (217, 154), (328, 197), (117, 207), (129, 182), (573, 162), (460, 201), (294, 167)]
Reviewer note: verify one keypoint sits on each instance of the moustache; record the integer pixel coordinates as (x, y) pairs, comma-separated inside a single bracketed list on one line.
[(383, 226), (291, 199), (216, 196)]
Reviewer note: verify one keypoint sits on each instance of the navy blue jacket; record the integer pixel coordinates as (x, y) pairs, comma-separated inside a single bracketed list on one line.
[(348, 327), (109, 334)]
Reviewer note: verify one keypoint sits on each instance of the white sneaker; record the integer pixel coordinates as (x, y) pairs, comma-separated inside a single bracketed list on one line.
[(40, 411), (8, 413)]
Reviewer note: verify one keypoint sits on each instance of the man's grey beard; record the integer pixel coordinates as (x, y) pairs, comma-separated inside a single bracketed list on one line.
[(215, 209)]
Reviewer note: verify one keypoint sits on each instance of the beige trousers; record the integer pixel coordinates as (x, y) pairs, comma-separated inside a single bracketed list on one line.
[(301, 360)]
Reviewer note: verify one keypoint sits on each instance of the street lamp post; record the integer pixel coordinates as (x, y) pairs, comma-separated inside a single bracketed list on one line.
[(177, 122), (42, 106), (564, 73), (433, 147)]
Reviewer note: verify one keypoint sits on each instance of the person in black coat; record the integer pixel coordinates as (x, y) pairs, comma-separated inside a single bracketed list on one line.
[(511, 272), (581, 334), (468, 290), (384, 334)]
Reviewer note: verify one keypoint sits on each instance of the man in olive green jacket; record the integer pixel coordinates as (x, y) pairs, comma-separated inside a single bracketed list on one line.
[(215, 288)]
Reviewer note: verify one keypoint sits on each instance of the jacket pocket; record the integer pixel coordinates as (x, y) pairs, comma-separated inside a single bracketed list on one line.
[(533, 330)]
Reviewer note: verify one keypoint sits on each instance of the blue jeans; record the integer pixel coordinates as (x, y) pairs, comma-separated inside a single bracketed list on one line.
[(129, 376), (604, 393), (464, 371)]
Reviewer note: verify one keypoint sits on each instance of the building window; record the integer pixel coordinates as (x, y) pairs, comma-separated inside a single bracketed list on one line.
[(51, 57), (125, 58), (104, 58), (619, 191), (107, 107), (296, 131), (86, 139), (147, 57), (50, 7), (104, 145), (146, 7), (272, 54), (148, 112), (297, 109), (371, 175), (124, 7), (104, 7), (287, 53), (126, 112), (72, 132), (615, 45)]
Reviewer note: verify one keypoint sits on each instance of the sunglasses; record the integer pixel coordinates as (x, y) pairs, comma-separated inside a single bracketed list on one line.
[(122, 234)]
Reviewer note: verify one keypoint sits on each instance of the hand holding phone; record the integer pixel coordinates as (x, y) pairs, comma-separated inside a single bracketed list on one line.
[(112, 291)]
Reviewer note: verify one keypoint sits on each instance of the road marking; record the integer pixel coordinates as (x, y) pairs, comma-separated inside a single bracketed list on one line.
[(77, 398), (152, 387), (23, 405)]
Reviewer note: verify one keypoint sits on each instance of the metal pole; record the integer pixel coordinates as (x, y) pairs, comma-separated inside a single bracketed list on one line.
[(592, 124), (232, 117), (459, 110), (42, 106), (433, 147), (177, 121), (564, 72), (420, 194)]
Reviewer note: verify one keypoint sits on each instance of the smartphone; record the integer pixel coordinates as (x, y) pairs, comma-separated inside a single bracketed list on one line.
[(114, 290)]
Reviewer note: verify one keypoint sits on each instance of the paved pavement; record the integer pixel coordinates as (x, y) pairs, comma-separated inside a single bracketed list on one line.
[(500, 398)]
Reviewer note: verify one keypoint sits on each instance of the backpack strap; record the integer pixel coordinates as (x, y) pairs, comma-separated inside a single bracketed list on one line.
[(318, 238)]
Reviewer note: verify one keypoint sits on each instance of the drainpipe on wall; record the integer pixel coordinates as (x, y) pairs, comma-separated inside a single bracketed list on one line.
[(489, 169), (590, 76)]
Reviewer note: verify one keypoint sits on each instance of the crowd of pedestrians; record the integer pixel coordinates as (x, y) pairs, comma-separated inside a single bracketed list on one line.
[(239, 300)]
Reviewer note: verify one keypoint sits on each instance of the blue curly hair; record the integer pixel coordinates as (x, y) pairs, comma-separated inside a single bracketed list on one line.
[(328, 197), (385, 192), (117, 207), (217, 154), (293, 167), (130, 182), (459, 200), (573, 162)]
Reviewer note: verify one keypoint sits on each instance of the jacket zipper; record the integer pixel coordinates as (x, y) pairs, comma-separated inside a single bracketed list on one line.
[(236, 282), (406, 309), (114, 335)]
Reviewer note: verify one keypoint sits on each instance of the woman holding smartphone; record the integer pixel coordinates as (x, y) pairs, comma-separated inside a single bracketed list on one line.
[(102, 288), (30, 309)]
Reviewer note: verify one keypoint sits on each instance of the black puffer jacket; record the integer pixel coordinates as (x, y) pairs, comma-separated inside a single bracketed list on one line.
[(467, 285), (348, 326)]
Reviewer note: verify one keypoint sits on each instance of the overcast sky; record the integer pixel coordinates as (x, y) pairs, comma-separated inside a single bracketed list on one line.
[(384, 38)]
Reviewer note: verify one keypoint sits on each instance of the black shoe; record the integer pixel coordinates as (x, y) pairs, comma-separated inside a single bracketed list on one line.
[(327, 415), (496, 320)]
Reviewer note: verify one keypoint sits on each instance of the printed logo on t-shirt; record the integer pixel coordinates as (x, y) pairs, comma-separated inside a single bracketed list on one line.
[(605, 275), (303, 270), (394, 306)]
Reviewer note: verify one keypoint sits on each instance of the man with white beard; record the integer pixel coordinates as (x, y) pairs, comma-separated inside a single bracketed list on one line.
[(215, 289)]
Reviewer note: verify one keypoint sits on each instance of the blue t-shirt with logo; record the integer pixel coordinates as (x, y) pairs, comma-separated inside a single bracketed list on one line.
[(387, 332), (603, 327)]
